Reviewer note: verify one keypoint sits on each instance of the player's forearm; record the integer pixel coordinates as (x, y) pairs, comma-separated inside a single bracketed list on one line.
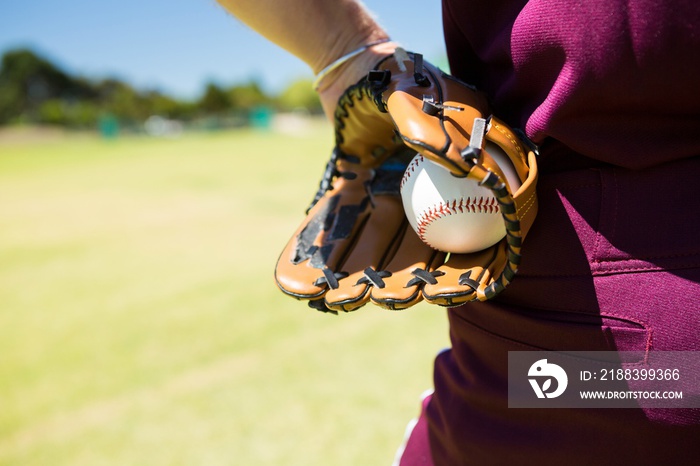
[(316, 31)]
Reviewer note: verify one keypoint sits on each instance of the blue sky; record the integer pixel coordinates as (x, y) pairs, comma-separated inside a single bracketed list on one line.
[(178, 45)]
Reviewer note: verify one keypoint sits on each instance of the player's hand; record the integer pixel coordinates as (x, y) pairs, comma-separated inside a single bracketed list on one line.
[(355, 244), (340, 253)]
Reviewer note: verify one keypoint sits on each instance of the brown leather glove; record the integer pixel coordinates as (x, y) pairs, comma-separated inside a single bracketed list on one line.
[(355, 244)]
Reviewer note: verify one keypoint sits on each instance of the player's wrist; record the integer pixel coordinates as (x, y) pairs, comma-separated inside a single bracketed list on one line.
[(337, 81), (341, 61)]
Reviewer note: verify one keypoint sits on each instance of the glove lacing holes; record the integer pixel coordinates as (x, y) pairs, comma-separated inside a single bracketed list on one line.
[(466, 280), (330, 278), (423, 276), (374, 277)]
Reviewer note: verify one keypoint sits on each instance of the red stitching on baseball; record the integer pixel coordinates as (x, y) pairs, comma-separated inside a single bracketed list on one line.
[(410, 169), (481, 205)]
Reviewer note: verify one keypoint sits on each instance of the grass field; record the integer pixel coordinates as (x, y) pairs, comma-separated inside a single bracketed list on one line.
[(140, 323)]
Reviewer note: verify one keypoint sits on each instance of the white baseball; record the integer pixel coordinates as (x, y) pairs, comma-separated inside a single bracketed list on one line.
[(453, 214)]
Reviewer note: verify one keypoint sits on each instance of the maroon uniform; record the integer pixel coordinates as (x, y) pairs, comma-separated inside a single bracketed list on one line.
[(608, 89)]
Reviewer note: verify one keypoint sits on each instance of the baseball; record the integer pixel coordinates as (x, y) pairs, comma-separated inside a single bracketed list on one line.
[(453, 214)]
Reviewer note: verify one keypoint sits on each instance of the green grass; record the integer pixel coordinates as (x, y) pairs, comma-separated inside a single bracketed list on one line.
[(140, 323)]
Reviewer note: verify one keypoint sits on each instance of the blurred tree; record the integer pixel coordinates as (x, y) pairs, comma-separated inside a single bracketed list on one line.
[(300, 94), (52, 112), (11, 101), (120, 99), (214, 100), (161, 104), (72, 113), (27, 81), (248, 96), (34, 90)]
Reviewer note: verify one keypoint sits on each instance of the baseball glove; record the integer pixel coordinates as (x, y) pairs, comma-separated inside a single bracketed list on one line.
[(355, 244)]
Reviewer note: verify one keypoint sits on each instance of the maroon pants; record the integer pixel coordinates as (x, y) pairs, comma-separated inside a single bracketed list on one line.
[(612, 263)]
